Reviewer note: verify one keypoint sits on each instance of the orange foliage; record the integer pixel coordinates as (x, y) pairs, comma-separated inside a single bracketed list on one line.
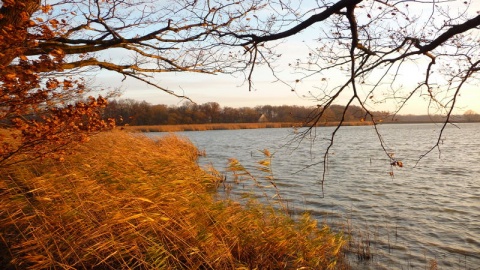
[(39, 114)]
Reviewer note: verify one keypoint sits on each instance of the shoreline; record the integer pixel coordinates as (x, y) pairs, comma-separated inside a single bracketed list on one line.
[(236, 126), (231, 126)]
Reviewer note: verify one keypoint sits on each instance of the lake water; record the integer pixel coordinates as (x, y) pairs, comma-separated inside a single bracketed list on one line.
[(424, 212)]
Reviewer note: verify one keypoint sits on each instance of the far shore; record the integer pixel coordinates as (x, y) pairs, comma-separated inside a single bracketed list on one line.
[(232, 126)]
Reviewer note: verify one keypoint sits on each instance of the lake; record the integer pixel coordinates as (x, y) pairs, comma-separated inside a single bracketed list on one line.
[(426, 210)]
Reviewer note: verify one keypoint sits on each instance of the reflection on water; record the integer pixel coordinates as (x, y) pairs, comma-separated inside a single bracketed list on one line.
[(428, 211)]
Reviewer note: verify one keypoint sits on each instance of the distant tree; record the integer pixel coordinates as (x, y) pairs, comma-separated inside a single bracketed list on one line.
[(286, 114), (159, 114), (173, 117), (123, 111), (248, 115), (382, 116), (142, 114), (471, 116), (111, 111), (212, 111), (230, 115)]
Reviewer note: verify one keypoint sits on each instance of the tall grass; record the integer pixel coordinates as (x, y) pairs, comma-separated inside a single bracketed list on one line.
[(126, 202)]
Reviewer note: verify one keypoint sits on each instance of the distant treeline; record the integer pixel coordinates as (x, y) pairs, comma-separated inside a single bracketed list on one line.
[(132, 112), (140, 113)]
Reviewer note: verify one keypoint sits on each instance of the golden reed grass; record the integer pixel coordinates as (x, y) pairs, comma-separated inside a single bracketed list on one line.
[(124, 201), (230, 126)]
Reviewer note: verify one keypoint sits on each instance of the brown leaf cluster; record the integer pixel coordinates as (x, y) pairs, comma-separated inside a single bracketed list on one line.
[(39, 113)]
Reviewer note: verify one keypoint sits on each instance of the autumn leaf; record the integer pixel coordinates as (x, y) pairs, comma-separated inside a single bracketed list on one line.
[(24, 16), (58, 54), (10, 76), (7, 3), (54, 23), (46, 8), (52, 84)]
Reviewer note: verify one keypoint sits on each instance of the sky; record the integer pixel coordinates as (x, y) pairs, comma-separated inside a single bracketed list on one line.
[(233, 91)]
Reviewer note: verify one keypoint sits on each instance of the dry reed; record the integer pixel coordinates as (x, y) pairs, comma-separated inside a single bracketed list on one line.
[(124, 201), (230, 126)]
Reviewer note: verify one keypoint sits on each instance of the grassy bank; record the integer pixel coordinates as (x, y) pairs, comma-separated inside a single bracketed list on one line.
[(126, 202), (229, 126)]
